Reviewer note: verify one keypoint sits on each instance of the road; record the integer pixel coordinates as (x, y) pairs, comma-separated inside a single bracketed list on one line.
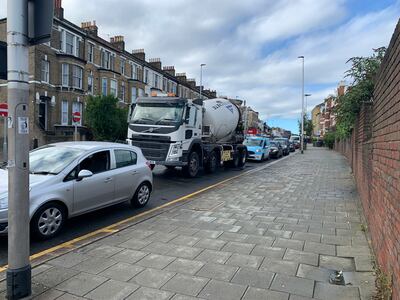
[(168, 185)]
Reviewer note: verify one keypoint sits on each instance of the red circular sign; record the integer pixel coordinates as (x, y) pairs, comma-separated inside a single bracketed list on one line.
[(76, 116), (3, 109)]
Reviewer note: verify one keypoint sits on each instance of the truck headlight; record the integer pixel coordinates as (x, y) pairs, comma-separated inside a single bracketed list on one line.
[(4, 202), (174, 150)]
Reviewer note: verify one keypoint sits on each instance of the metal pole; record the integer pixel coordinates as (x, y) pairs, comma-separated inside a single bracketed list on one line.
[(5, 154), (201, 80), (76, 133), (302, 109), (19, 269)]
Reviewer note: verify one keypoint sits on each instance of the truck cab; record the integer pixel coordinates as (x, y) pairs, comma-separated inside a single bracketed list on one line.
[(165, 128)]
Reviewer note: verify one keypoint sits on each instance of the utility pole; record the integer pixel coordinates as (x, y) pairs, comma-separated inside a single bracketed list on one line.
[(28, 23), (302, 109), (201, 80), (19, 268), (5, 156)]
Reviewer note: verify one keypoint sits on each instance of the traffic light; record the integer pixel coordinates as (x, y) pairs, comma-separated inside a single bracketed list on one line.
[(3, 60)]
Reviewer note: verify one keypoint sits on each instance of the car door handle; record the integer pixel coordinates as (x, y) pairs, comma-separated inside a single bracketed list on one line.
[(107, 179), (133, 172)]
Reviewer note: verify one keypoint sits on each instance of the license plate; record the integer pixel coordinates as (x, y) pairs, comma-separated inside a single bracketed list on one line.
[(226, 155)]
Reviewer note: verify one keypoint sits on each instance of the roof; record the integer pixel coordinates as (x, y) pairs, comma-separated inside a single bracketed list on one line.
[(90, 145)]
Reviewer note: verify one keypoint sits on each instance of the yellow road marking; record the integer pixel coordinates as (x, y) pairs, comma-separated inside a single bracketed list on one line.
[(111, 228)]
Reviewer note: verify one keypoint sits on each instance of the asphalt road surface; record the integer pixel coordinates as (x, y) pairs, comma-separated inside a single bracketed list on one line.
[(168, 185)]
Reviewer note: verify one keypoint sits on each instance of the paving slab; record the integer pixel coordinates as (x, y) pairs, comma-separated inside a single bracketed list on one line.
[(295, 285), (221, 290), (262, 294), (152, 278), (186, 284), (112, 290), (217, 271), (254, 278), (145, 293), (81, 284), (326, 291)]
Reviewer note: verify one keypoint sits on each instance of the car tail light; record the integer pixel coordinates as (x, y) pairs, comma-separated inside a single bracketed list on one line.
[(150, 165)]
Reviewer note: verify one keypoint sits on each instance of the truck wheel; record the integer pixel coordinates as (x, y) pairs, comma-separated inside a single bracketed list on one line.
[(192, 168), (242, 158), (212, 163)]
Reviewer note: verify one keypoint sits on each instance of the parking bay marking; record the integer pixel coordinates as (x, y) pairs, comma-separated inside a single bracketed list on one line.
[(110, 229)]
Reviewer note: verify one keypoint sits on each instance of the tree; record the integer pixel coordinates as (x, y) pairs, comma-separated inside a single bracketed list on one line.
[(106, 120), (362, 73), (308, 126)]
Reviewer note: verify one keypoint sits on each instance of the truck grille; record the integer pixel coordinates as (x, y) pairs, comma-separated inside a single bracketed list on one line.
[(153, 150)]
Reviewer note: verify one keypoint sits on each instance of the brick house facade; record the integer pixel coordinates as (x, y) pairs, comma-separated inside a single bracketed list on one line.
[(77, 63)]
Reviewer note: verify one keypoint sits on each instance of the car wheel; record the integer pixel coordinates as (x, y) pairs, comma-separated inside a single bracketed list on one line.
[(193, 166), (212, 164), (48, 220), (142, 195)]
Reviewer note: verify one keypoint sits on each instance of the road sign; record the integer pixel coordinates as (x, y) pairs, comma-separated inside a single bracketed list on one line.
[(76, 117), (4, 110)]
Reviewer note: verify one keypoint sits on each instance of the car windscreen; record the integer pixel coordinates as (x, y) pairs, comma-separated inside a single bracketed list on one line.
[(274, 144), (253, 142), (282, 140), (157, 114), (52, 159)]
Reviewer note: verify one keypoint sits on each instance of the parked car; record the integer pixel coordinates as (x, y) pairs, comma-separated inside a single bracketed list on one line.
[(257, 148), (292, 148), (285, 145), (69, 179), (275, 149), (296, 140)]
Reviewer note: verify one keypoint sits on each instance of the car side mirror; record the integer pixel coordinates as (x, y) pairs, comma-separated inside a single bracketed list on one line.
[(84, 174)]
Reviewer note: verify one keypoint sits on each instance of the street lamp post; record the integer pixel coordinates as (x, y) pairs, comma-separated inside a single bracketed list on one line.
[(305, 108), (201, 80), (302, 109)]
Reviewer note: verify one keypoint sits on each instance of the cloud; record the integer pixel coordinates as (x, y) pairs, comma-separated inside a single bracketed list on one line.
[(250, 47)]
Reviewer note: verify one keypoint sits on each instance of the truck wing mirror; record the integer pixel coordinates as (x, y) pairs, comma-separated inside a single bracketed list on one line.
[(198, 101)]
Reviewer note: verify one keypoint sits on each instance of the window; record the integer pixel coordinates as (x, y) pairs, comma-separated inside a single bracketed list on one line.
[(105, 59), (45, 71), (97, 162), (146, 76), (77, 77), (113, 88), (155, 80), (124, 158), (122, 95), (90, 84), (141, 92), (134, 72), (77, 107), (90, 52), (164, 84), (69, 43), (112, 62), (122, 66), (65, 75), (64, 112), (104, 86), (133, 95)]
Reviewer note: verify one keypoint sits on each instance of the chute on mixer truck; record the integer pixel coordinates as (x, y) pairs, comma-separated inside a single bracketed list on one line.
[(192, 134)]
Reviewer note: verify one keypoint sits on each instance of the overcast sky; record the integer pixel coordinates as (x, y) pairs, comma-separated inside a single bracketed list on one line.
[(250, 47)]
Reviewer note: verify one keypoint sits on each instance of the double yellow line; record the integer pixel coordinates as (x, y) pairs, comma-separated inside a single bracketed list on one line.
[(112, 228)]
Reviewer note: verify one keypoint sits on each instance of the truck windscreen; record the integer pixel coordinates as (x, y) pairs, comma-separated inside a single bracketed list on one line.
[(157, 114)]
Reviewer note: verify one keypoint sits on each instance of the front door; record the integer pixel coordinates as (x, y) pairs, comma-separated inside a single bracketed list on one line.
[(43, 115), (97, 190)]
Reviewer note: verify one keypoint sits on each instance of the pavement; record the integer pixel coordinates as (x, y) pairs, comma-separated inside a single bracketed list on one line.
[(277, 233)]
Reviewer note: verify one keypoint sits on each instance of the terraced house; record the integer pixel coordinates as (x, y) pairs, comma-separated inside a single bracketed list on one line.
[(77, 63)]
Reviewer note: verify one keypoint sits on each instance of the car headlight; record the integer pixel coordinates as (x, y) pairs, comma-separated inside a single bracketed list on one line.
[(258, 150), (4, 202)]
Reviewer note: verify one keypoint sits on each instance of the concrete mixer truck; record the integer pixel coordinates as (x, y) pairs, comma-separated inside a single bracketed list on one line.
[(188, 133)]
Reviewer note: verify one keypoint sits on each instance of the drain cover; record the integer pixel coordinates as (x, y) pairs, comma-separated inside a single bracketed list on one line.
[(337, 278)]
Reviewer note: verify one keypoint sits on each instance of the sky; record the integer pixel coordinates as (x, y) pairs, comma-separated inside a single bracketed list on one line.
[(250, 47)]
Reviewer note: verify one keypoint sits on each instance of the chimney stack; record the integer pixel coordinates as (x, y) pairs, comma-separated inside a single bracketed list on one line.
[(90, 28), (181, 77), (118, 42), (139, 53), (191, 82), (155, 62), (58, 10), (170, 70)]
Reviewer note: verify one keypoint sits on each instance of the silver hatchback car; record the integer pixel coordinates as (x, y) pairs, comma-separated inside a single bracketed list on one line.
[(69, 179)]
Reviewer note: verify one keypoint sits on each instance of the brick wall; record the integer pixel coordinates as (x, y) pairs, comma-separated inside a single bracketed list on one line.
[(373, 151)]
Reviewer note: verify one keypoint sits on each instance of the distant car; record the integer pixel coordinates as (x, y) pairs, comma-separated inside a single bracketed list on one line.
[(292, 148), (257, 148), (69, 179), (285, 145), (296, 140), (275, 149)]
